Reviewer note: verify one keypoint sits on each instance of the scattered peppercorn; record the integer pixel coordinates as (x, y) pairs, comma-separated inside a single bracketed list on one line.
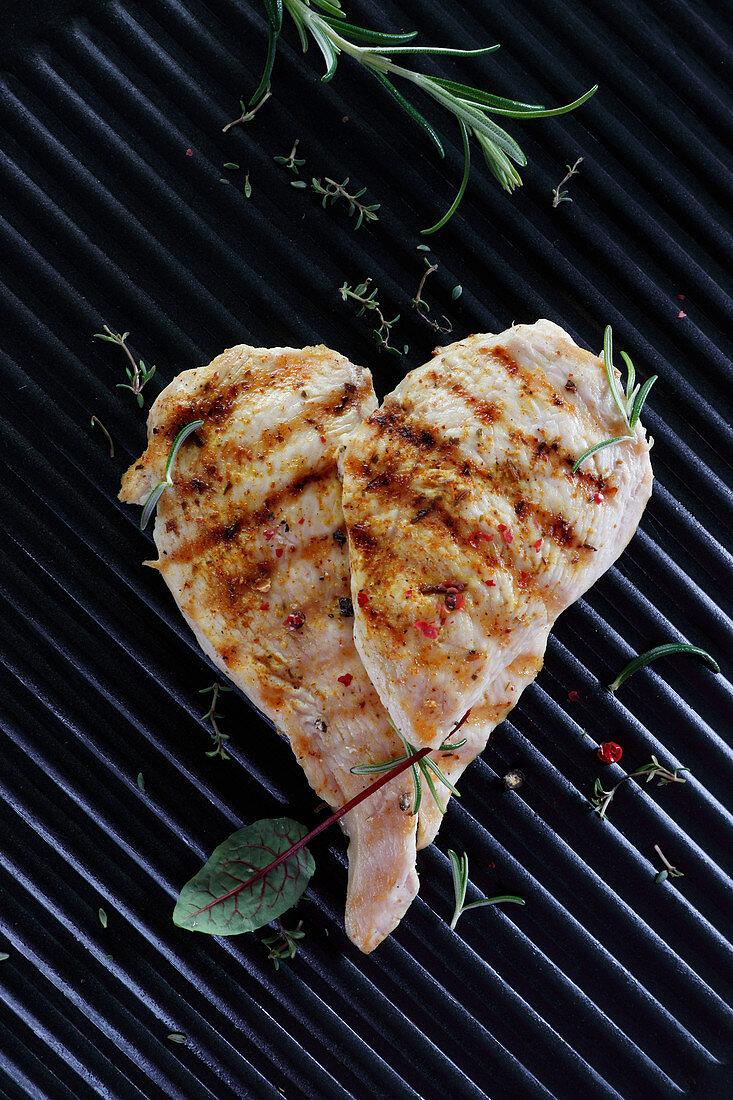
[(513, 779), (609, 752), (599, 498), (345, 679), (573, 697), (430, 630), (339, 537), (362, 599), (346, 607), (295, 620)]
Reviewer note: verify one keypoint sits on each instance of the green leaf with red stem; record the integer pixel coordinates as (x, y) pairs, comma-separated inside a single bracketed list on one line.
[(260, 871)]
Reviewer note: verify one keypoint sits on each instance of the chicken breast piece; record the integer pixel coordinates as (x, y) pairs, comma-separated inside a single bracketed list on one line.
[(469, 533), (251, 542)]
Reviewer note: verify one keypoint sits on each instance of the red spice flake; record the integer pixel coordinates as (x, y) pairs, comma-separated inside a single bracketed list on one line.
[(430, 630), (295, 620), (279, 552), (476, 536), (322, 438), (454, 601), (362, 599), (302, 519), (680, 315), (345, 679), (609, 752), (490, 584), (491, 866), (573, 696), (508, 536), (189, 152), (408, 592), (264, 607), (501, 527), (599, 498), (269, 533), (537, 545), (681, 297)]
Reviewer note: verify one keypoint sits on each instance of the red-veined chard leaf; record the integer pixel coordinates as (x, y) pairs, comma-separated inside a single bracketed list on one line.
[(217, 901)]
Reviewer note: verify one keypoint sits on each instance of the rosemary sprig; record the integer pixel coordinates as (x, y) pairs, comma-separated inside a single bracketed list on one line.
[(155, 494), (211, 714), (661, 651), (420, 770), (629, 400), (98, 422), (333, 191), (422, 307), (459, 870), (137, 373), (669, 869), (471, 107), (558, 195), (291, 162), (368, 301), (602, 799), (283, 944), (248, 113)]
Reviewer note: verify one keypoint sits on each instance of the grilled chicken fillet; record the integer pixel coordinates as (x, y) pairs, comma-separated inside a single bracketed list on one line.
[(251, 543), (469, 533)]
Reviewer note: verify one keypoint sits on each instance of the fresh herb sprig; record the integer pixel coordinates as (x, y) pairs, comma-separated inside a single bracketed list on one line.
[(629, 400), (291, 162), (420, 770), (155, 494), (661, 651), (137, 373), (420, 304), (459, 870), (283, 944), (558, 195), (249, 112), (213, 716), (602, 799), (669, 870), (368, 301), (333, 191), (471, 107)]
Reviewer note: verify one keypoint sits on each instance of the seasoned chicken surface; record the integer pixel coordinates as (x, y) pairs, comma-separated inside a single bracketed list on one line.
[(469, 533), (251, 543)]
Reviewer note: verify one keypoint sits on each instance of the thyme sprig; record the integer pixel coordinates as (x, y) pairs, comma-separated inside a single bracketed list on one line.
[(368, 301), (422, 307), (661, 651), (558, 195), (420, 770), (291, 162), (137, 373), (283, 944), (459, 870), (602, 799), (628, 400), (249, 112), (213, 716), (334, 191), (155, 494), (471, 107), (669, 869)]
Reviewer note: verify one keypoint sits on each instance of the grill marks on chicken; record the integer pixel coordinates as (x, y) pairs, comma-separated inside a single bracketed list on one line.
[(251, 544), (461, 485)]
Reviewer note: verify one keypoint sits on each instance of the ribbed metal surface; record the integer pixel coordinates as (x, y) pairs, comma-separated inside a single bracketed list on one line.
[(605, 984)]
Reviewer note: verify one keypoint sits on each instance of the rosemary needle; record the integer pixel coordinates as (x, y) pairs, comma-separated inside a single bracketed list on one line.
[(661, 651)]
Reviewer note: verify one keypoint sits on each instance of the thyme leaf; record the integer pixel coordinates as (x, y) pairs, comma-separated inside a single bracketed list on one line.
[(324, 22), (283, 944), (558, 195), (211, 714), (333, 191), (367, 300), (661, 651), (459, 870)]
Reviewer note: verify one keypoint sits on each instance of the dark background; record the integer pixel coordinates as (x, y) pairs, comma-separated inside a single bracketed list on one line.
[(605, 984)]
